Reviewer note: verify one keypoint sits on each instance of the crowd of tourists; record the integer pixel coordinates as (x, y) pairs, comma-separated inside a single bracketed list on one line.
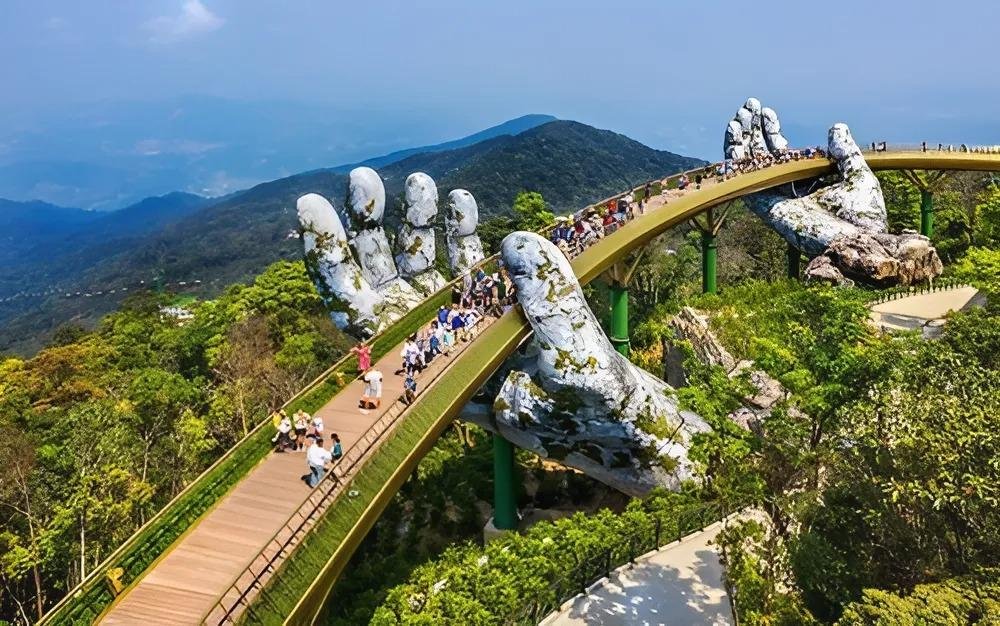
[(479, 297), (301, 432), (882, 146)]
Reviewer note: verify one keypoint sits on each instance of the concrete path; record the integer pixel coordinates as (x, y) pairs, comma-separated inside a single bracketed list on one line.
[(913, 312), (681, 584)]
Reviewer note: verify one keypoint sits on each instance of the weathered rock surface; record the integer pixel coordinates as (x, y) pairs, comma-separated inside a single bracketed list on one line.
[(746, 135), (842, 225), (357, 276), (415, 243), (691, 329), (590, 407), (366, 206), (464, 247), (356, 306)]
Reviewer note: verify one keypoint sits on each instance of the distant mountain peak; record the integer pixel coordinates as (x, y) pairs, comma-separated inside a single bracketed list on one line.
[(511, 127)]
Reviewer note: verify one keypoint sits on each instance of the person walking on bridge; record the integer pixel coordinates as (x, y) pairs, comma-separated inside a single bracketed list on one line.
[(317, 457), (364, 352)]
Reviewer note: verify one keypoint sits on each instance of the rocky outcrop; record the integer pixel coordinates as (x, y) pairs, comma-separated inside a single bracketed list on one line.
[(415, 244), (691, 331), (464, 247), (843, 224), (586, 406)]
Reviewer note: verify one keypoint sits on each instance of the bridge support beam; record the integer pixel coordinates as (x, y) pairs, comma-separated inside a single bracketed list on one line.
[(709, 263), (619, 318), (618, 278), (504, 494), (926, 212), (794, 258), (709, 223), (927, 182)]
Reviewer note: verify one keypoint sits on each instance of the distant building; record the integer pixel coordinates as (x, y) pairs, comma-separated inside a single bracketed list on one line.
[(178, 313)]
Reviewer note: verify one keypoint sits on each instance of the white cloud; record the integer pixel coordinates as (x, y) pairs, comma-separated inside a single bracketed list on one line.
[(194, 19)]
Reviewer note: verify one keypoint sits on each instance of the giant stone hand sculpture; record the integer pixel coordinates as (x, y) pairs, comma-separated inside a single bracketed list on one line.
[(464, 247), (366, 206), (415, 243), (843, 225), (355, 272), (590, 408), (355, 306)]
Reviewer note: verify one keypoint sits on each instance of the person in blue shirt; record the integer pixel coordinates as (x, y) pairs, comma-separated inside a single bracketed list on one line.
[(435, 345), (336, 451), (442, 315), (409, 389), (458, 325)]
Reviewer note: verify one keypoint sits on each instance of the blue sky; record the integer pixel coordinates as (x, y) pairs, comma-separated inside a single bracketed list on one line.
[(384, 75)]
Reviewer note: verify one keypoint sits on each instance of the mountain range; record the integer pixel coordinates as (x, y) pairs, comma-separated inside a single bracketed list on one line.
[(186, 238)]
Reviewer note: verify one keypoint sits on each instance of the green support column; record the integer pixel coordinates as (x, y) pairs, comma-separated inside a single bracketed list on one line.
[(794, 256), (619, 317), (708, 263), (926, 213), (504, 499)]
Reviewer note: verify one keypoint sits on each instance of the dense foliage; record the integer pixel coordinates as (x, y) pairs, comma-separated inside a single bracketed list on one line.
[(972, 599), (885, 476), (521, 577), (99, 430)]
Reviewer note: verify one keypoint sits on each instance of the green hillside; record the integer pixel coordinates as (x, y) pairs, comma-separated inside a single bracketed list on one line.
[(570, 163)]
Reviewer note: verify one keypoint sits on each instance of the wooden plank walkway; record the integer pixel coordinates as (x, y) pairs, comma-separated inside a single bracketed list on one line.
[(194, 573)]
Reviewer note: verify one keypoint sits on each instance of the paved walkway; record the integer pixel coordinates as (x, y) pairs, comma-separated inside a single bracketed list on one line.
[(188, 580), (913, 312), (681, 584)]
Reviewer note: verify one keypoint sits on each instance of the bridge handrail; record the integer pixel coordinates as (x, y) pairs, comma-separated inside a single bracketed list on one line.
[(897, 293)]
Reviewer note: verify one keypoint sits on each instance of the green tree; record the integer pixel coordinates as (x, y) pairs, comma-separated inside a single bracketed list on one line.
[(531, 211)]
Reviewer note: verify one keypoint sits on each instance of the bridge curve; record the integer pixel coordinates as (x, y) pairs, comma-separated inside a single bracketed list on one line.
[(439, 403), (503, 337)]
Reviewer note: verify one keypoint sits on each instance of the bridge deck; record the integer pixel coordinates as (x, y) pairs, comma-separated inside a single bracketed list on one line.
[(186, 582)]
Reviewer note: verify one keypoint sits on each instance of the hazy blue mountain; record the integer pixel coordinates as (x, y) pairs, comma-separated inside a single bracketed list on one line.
[(510, 127), (46, 245), (233, 238)]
